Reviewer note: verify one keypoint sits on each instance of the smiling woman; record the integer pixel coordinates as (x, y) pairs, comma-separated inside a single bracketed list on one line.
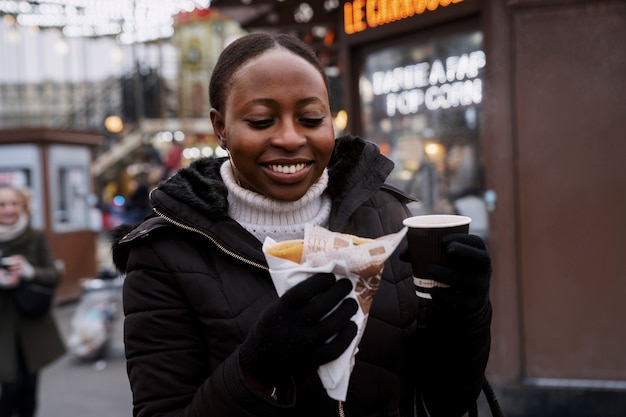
[(205, 330)]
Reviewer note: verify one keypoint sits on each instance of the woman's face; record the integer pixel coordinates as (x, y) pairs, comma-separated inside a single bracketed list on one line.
[(11, 206), (277, 125)]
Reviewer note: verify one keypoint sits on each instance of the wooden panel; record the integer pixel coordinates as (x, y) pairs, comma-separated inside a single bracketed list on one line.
[(571, 107), (505, 359), (78, 252)]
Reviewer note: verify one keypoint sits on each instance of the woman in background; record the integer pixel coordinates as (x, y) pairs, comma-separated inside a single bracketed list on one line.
[(27, 344)]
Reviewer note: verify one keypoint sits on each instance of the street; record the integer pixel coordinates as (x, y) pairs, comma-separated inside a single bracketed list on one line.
[(74, 388)]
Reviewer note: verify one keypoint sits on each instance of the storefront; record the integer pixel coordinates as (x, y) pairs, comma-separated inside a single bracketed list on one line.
[(512, 109), (414, 86)]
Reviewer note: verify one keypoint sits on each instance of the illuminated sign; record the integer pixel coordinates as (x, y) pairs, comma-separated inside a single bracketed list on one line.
[(442, 84), (358, 15)]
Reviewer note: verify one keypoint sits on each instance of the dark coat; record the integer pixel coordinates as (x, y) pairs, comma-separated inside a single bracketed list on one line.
[(38, 337), (197, 281)]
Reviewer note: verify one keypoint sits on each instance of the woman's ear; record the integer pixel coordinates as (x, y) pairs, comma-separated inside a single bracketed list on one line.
[(217, 120)]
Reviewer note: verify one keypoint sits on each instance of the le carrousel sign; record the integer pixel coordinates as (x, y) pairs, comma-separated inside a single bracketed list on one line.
[(359, 15)]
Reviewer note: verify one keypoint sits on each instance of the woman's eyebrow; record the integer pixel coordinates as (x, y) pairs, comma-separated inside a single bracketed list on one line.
[(310, 100), (269, 101)]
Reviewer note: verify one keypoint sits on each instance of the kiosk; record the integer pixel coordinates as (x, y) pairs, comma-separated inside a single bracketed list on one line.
[(55, 167)]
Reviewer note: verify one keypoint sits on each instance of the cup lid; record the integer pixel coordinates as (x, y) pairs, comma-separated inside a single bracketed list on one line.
[(436, 220)]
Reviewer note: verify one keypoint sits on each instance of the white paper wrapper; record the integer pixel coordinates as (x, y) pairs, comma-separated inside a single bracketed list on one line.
[(326, 251)]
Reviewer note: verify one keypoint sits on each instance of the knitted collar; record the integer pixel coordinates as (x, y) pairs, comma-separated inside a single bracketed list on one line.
[(11, 231), (280, 220)]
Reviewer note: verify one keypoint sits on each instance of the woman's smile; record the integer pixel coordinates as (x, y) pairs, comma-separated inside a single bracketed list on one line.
[(287, 169), (287, 173)]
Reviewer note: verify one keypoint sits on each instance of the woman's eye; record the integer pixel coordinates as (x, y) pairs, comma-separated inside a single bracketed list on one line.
[(311, 121), (261, 124)]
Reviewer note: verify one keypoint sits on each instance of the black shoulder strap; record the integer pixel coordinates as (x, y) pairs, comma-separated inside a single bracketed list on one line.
[(490, 396)]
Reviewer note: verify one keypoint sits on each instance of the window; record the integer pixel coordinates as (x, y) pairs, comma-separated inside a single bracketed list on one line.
[(70, 188), (420, 101), (20, 167)]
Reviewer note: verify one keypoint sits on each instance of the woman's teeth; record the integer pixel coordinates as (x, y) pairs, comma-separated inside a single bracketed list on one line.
[(287, 169)]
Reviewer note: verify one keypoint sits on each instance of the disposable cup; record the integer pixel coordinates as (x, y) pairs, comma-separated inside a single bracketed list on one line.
[(424, 236)]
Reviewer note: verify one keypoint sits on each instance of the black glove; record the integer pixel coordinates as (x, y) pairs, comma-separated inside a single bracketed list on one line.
[(467, 271), (291, 338)]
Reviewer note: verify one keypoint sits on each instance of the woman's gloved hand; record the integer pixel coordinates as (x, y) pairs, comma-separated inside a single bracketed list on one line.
[(467, 271), (292, 335)]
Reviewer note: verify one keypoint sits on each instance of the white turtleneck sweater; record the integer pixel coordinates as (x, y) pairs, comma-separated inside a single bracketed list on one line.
[(280, 220), (11, 231)]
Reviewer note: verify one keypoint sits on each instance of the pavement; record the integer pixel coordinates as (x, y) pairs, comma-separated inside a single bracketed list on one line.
[(74, 387)]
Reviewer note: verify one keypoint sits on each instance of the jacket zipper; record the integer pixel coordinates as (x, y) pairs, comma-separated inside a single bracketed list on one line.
[(213, 240), (341, 412), (232, 254)]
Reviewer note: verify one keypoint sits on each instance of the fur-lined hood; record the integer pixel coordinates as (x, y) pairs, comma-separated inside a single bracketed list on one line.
[(196, 196)]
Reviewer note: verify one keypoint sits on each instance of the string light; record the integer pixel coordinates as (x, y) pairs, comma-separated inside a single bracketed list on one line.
[(130, 20)]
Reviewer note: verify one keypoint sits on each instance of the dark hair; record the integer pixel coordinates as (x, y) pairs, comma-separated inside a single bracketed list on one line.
[(249, 47)]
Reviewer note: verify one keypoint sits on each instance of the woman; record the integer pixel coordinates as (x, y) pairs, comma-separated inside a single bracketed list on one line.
[(205, 332), (27, 344)]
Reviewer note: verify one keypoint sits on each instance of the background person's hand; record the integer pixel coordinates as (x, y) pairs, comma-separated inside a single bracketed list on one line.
[(467, 271), (10, 272), (293, 335), (22, 267)]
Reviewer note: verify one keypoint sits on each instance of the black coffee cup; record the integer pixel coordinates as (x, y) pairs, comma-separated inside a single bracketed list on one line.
[(426, 247)]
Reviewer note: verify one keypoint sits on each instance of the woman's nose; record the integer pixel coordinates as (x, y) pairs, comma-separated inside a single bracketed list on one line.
[(289, 136)]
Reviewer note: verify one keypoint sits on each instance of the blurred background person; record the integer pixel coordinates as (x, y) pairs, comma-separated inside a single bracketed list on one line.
[(27, 344), (174, 158), (137, 205)]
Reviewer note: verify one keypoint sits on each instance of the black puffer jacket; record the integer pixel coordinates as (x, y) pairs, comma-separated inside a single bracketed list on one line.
[(197, 281)]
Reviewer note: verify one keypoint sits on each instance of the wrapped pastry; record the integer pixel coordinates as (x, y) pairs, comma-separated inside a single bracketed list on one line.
[(346, 256), (368, 273), (290, 250)]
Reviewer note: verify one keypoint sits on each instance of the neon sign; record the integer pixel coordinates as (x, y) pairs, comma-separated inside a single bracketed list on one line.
[(442, 84), (358, 15)]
